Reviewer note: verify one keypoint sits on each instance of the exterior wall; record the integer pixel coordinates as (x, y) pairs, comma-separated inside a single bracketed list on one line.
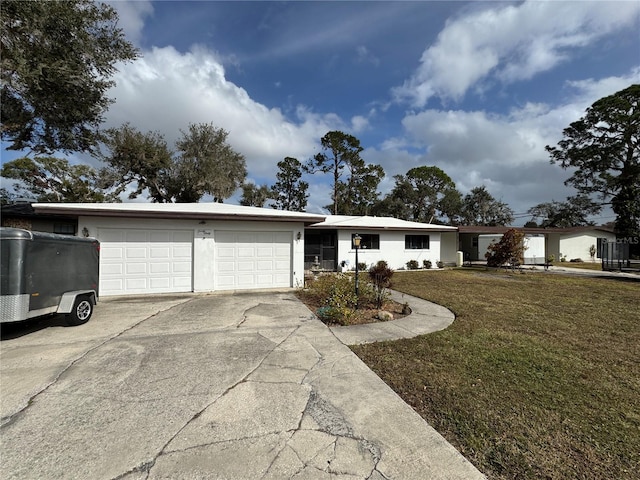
[(483, 244), (204, 241), (577, 245), (448, 247), (391, 249)]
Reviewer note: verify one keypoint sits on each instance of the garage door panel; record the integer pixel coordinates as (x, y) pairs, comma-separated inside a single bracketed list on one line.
[(158, 268), (245, 260), (136, 261), (181, 252), (159, 252), (136, 268), (136, 252), (181, 267)]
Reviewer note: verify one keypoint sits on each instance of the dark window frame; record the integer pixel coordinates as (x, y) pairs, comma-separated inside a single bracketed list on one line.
[(64, 228), (370, 241), (417, 242)]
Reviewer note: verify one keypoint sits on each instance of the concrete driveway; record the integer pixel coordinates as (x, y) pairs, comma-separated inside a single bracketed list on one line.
[(205, 386)]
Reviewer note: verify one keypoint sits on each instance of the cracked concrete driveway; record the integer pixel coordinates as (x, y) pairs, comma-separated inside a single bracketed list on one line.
[(205, 386)]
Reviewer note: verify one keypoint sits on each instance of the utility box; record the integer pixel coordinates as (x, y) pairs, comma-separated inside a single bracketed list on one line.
[(45, 273)]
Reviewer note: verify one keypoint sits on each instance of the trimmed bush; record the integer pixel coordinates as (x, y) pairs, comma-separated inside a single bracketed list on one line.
[(412, 265)]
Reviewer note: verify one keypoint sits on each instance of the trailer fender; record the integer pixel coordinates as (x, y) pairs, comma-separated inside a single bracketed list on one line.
[(68, 300)]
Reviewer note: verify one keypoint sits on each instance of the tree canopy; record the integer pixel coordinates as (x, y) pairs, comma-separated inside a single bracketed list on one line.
[(290, 192), (480, 208), (50, 179), (204, 164), (254, 196), (572, 213), (424, 194), (57, 60), (603, 151), (339, 151)]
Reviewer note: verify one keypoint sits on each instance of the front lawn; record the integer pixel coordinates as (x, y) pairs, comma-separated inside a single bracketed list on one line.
[(538, 377)]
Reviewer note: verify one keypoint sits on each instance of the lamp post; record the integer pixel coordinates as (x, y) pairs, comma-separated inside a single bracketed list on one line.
[(356, 244)]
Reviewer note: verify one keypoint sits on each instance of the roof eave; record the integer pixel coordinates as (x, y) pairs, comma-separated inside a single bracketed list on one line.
[(89, 212)]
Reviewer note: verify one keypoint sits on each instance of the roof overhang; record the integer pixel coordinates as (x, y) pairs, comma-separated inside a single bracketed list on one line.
[(344, 222), (189, 211)]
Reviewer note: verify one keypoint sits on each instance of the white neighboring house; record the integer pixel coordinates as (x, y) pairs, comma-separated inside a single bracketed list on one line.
[(329, 243), (191, 247), (575, 242), (569, 243)]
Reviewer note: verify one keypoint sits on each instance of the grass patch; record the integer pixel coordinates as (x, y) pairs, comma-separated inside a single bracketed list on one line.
[(538, 377), (584, 265)]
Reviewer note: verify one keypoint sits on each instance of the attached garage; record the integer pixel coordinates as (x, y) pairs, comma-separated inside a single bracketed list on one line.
[(201, 247), (134, 261), (246, 260)]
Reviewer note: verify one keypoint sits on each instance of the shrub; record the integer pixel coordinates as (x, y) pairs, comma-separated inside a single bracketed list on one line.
[(575, 260), (380, 275), (440, 264), (337, 297), (412, 265), (426, 264), (510, 249)]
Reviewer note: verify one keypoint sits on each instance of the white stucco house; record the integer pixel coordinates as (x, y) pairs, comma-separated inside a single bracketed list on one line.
[(329, 243), (166, 248), (149, 248), (569, 243)]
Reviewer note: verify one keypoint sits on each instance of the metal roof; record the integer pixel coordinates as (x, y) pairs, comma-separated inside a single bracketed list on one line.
[(200, 211)]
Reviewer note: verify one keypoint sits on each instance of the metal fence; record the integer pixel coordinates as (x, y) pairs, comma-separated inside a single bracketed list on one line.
[(615, 256)]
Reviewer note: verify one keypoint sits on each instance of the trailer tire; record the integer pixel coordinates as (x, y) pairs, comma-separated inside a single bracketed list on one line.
[(82, 310)]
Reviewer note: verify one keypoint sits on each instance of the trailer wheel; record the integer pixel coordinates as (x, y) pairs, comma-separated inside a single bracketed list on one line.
[(82, 310)]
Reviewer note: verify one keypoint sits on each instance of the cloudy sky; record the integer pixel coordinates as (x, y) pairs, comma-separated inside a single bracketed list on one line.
[(477, 89)]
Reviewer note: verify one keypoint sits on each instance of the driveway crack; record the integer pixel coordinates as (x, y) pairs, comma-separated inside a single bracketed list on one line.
[(202, 410), (9, 419)]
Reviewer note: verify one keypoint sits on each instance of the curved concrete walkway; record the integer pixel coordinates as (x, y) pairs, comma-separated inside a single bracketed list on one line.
[(425, 317)]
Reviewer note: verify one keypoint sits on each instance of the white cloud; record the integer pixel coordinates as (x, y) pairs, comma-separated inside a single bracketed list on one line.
[(504, 152), (510, 43), (132, 16), (166, 90)]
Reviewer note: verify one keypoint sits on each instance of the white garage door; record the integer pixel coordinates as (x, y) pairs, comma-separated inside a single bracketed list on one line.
[(145, 261), (245, 260)]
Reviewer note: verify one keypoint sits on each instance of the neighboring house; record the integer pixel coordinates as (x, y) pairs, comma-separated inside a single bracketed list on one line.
[(575, 242), (569, 243), (329, 244), (200, 247), (22, 215)]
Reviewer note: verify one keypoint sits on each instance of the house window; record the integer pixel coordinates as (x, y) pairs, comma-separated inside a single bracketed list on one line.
[(368, 242), (474, 242), (64, 228), (416, 242)]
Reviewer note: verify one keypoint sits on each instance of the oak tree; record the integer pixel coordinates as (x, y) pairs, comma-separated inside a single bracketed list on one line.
[(57, 61)]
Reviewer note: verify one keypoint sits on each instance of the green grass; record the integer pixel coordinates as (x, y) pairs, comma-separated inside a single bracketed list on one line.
[(538, 377)]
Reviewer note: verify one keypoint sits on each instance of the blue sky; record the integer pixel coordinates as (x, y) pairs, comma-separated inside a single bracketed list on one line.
[(477, 89)]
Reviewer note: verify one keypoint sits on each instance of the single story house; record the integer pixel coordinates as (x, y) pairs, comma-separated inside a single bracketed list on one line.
[(165, 248), (569, 243), (329, 243)]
